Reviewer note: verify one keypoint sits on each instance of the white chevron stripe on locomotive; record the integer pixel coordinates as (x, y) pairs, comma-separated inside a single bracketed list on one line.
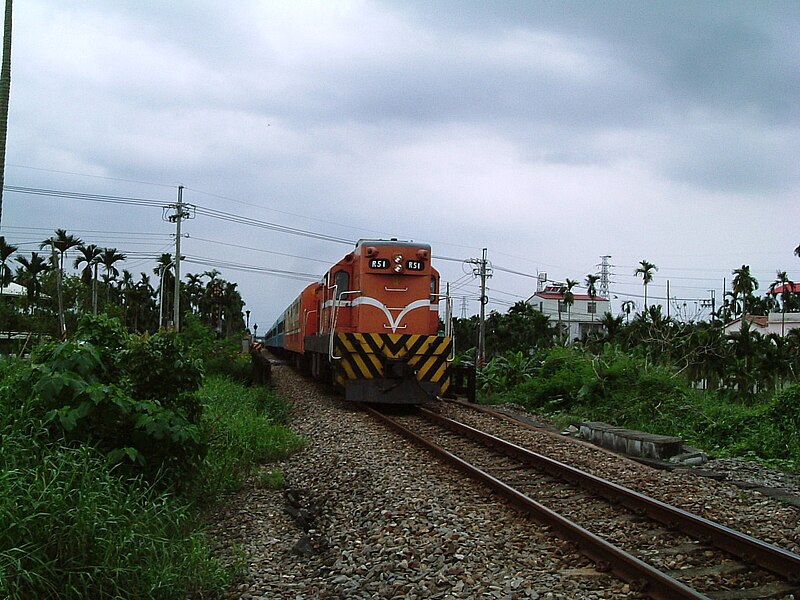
[(394, 323)]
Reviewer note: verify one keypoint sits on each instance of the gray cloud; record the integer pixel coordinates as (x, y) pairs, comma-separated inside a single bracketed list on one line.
[(549, 132)]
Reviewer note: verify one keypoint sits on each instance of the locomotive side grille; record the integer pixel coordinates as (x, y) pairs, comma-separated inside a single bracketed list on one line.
[(364, 356)]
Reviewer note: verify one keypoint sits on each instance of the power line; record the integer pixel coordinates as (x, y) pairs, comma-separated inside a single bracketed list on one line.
[(241, 220), (194, 237), (149, 202), (215, 263), (166, 185), (130, 200)]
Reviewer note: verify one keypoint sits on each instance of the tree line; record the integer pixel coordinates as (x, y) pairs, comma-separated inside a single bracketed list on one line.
[(742, 362), (54, 299)]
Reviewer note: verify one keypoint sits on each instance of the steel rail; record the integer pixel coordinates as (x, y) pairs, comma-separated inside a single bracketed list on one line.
[(772, 558), (608, 557)]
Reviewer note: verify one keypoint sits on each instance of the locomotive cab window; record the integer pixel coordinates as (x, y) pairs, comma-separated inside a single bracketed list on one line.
[(342, 282), (434, 288)]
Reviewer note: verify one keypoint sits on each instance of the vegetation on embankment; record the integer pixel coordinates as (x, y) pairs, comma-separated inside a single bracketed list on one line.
[(111, 443), (572, 384)]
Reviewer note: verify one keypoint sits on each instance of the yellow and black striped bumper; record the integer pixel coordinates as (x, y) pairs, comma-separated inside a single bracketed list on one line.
[(376, 363)]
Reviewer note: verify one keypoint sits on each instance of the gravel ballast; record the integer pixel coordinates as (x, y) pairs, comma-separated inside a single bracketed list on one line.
[(367, 515)]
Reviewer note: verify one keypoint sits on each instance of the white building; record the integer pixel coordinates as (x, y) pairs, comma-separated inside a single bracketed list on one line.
[(766, 324), (775, 322), (576, 321)]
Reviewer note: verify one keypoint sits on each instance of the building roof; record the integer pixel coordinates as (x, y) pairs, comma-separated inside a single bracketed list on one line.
[(13, 289), (793, 288)]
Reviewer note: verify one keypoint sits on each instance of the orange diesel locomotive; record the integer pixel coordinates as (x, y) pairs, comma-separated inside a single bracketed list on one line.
[(371, 325)]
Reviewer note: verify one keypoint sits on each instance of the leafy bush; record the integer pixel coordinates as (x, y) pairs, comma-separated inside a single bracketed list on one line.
[(73, 523), (628, 391), (506, 371), (783, 412), (219, 357), (556, 379), (134, 399), (68, 523)]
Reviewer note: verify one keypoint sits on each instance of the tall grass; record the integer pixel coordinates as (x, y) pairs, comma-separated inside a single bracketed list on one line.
[(69, 528), (246, 428), (75, 526)]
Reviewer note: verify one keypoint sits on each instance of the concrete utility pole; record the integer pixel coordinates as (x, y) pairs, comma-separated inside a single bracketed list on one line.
[(178, 217), (59, 291), (483, 271)]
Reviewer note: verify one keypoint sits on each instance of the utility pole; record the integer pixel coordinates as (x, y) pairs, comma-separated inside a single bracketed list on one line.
[(483, 271), (59, 291), (448, 313), (179, 215), (712, 303), (94, 291)]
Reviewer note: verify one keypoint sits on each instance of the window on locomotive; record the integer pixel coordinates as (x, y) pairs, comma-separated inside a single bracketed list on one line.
[(434, 288), (342, 282)]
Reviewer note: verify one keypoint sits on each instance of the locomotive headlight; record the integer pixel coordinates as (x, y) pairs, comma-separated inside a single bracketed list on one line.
[(398, 268), (398, 259)]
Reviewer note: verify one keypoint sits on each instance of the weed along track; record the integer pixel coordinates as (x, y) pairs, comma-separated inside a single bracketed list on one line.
[(663, 551)]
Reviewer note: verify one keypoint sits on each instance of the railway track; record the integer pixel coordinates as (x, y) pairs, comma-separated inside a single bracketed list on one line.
[(660, 550)]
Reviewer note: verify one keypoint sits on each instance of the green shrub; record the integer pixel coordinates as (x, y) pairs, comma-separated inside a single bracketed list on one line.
[(136, 400), (556, 380), (504, 372), (94, 432), (626, 390), (219, 357), (783, 412), (271, 479)]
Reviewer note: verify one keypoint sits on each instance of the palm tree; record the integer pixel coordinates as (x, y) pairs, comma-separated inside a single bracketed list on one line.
[(6, 250), (232, 304), (611, 324), (28, 275), (194, 290), (209, 311), (744, 284), (142, 300), (90, 256), (569, 300), (108, 258), (125, 289), (164, 271), (5, 92), (591, 280), (61, 241), (627, 307), (645, 269), (787, 288)]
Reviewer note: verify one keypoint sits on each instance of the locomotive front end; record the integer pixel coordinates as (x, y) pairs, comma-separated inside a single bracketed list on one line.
[(386, 345), (392, 368)]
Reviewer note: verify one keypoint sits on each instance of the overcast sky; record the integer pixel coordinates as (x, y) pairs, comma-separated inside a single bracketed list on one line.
[(550, 133)]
